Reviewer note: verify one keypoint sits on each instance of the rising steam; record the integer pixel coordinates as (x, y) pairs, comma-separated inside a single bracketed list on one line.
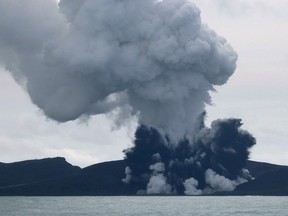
[(151, 59)]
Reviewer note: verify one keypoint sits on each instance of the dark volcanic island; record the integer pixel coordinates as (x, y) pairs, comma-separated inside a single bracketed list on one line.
[(56, 177)]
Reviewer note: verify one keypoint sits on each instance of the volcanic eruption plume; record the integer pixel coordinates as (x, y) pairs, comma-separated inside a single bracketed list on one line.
[(151, 59), (213, 161)]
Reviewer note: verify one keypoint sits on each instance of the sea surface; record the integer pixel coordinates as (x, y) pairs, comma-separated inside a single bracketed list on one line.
[(144, 206)]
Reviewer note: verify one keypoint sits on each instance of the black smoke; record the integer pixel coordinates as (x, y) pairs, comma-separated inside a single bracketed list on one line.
[(221, 151)]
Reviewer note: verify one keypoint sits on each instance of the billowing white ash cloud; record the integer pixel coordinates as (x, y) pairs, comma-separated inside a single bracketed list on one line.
[(153, 59)]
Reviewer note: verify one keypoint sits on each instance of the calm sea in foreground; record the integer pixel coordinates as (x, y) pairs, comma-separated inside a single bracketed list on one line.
[(112, 206)]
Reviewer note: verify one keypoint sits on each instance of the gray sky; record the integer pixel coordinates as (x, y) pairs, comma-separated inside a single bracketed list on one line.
[(257, 93)]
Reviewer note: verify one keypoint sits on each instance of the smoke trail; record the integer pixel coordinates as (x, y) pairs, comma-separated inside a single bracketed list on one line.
[(149, 58)]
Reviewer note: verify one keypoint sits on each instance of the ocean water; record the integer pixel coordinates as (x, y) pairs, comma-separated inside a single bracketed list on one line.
[(144, 206)]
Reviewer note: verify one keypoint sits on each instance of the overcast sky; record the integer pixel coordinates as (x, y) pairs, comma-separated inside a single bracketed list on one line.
[(257, 93)]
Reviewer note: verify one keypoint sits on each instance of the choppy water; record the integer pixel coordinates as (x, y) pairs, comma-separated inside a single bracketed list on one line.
[(144, 206)]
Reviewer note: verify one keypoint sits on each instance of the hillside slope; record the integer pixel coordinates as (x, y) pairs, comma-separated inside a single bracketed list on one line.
[(31, 171)]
